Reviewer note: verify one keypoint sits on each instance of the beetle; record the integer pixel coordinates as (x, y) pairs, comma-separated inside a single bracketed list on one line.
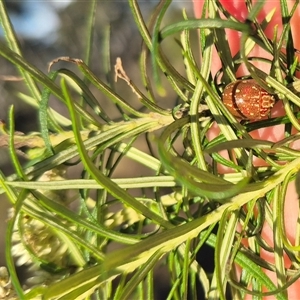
[(247, 100)]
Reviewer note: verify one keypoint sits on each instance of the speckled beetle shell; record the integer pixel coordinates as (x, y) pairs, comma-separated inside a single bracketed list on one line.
[(246, 100)]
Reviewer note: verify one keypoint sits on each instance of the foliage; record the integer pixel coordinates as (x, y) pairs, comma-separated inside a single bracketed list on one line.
[(123, 228)]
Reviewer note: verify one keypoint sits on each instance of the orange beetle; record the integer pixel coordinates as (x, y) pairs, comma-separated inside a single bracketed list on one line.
[(246, 100)]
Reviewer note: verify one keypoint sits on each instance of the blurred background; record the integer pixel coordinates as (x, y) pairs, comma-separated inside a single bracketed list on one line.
[(49, 29)]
